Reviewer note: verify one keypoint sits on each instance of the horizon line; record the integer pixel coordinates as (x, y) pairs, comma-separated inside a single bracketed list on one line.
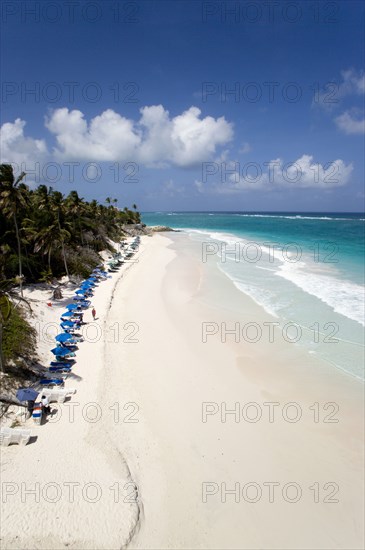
[(254, 211)]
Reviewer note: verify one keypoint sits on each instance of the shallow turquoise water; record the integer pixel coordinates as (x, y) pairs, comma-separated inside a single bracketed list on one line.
[(306, 269)]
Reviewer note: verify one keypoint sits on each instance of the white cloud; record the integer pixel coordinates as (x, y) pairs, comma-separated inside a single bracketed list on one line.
[(332, 96), (155, 140), (199, 186), (245, 148), (350, 125), (16, 148), (352, 83), (223, 157), (108, 137), (170, 188), (301, 174), (194, 139)]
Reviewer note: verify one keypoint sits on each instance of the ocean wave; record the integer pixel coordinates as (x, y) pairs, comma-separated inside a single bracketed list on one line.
[(299, 217), (232, 240), (344, 297), (265, 298)]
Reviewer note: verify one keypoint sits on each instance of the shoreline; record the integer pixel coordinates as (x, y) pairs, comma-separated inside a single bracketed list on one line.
[(73, 496), (345, 329), (151, 450), (183, 452)]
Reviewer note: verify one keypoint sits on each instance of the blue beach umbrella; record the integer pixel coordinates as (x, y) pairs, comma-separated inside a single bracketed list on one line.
[(60, 351), (67, 314), (67, 324), (63, 337), (26, 394), (87, 288), (79, 292), (72, 306), (79, 297)]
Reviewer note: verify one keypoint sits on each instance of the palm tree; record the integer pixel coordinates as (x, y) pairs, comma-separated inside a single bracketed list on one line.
[(45, 239), (76, 207), (12, 199), (57, 206), (39, 226), (111, 201)]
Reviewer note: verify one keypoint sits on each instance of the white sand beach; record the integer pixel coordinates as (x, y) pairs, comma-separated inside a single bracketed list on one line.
[(284, 470)]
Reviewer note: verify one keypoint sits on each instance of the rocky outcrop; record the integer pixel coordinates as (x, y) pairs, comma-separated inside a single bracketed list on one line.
[(131, 230), (160, 228)]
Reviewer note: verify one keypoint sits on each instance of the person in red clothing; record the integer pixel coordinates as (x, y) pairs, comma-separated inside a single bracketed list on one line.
[(93, 313)]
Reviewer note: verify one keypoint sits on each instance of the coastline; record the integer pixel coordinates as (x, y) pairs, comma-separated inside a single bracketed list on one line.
[(150, 375), (169, 373), (66, 489)]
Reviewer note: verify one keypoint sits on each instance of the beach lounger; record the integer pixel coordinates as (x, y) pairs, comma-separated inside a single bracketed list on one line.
[(62, 364), (71, 347), (59, 369), (66, 363), (66, 356), (60, 374), (69, 330), (14, 435), (70, 319), (51, 382), (58, 395), (68, 343), (78, 338)]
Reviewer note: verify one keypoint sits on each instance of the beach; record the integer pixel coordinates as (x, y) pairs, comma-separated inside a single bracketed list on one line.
[(184, 438)]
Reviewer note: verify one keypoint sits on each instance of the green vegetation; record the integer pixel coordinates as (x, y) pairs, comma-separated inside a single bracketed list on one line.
[(44, 235), (18, 338)]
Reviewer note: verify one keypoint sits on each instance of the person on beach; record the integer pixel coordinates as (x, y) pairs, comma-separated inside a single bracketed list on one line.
[(30, 407), (93, 313), (45, 404)]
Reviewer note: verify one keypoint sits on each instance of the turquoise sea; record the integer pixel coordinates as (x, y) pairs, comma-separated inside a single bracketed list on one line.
[(305, 269)]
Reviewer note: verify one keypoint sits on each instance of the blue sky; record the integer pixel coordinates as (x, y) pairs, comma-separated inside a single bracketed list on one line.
[(188, 105)]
